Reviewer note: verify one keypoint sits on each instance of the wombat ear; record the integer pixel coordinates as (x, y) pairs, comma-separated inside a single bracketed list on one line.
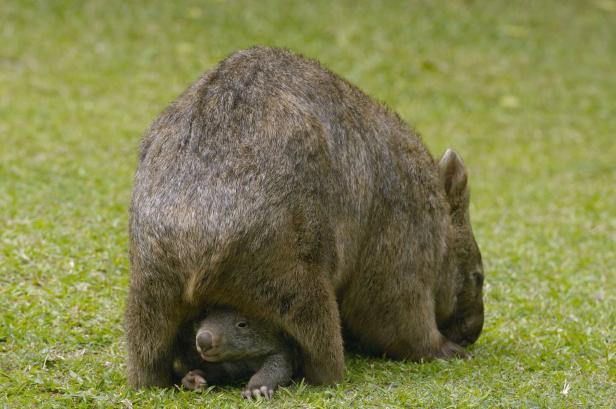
[(453, 176)]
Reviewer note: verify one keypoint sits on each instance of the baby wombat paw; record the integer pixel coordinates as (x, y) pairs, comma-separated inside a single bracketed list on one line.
[(194, 380), (258, 392)]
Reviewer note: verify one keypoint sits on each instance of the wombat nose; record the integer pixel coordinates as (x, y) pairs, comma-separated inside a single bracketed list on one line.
[(204, 341)]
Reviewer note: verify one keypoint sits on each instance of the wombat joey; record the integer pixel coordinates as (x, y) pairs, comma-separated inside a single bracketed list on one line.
[(227, 346), (275, 187)]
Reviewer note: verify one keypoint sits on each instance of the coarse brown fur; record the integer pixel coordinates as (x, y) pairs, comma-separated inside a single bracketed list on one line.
[(275, 187), (236, 348)]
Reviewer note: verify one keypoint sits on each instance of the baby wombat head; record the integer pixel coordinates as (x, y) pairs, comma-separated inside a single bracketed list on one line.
[(225, 335), (465, 323)]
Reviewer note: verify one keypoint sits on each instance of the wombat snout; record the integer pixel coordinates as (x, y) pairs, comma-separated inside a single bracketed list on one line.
[(205, 341)]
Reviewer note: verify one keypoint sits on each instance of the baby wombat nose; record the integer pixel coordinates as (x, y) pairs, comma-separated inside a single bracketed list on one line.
[(205, 341)]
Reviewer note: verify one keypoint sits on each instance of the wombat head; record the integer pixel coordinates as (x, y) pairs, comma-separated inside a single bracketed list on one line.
[(225, 335), (464, 325)]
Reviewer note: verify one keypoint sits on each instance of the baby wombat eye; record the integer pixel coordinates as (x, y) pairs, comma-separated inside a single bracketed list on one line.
[(241, 324)]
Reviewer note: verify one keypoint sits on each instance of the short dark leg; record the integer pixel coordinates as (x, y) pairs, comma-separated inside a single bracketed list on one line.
[(152, 321), (401, 325), (277, 370), (303, 304), (314, 322)]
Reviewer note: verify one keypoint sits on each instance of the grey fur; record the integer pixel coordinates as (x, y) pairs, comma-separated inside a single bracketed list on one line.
[(257, 350), (275, 187)]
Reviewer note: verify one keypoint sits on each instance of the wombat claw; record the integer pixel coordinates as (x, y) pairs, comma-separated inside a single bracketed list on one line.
[(256, 393), (451, 349), (194, 380)]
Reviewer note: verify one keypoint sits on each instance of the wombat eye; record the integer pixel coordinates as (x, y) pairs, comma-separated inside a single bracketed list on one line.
[(241, 324)]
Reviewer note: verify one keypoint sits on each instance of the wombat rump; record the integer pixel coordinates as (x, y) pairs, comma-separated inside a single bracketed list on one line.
[(276, 188), (226, 346)]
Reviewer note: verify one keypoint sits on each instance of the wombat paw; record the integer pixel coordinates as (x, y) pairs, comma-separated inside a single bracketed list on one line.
[(451, 350), (262, 392), (194, 380)]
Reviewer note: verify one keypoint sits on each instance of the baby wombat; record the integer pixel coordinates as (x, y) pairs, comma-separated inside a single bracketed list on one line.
[(226, 346), (275, 187)]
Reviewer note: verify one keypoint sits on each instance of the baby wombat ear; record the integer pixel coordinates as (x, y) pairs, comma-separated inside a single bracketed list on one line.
[(453, 176)]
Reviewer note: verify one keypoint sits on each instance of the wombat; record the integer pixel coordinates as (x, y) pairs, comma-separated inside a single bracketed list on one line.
[(227, 346), (275, 187)]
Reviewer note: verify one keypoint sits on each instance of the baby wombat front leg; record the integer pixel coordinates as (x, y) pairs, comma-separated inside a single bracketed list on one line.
[(277, 370)]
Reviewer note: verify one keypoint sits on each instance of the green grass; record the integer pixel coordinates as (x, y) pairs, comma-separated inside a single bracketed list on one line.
[(525, 91)]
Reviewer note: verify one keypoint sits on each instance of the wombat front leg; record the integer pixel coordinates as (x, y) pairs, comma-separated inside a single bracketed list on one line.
[(313, 321), (407, 332), (276, 371)]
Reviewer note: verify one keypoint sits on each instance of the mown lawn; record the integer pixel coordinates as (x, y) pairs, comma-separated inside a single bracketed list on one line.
[(525, 91)]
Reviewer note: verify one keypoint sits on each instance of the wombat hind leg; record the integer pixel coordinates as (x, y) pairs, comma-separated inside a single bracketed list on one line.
[(315, 324), (152, 320), (311, 319)]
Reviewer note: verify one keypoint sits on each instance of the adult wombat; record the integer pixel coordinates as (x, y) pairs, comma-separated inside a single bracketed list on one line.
[(227, 346), (275, 187)]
